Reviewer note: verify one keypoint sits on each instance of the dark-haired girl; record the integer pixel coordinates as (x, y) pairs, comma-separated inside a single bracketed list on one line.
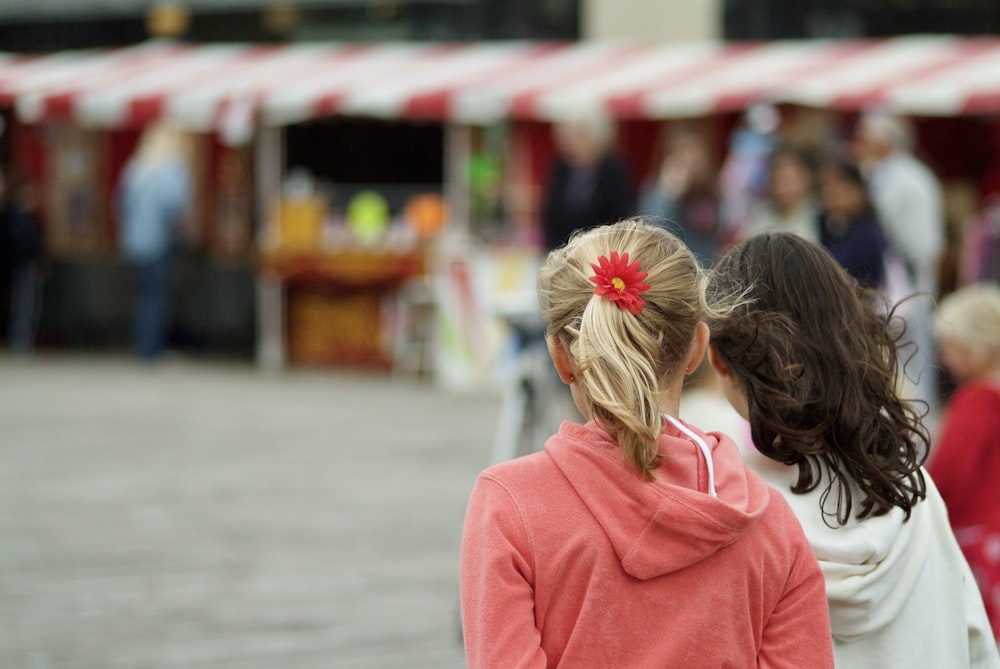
[(810, 361)]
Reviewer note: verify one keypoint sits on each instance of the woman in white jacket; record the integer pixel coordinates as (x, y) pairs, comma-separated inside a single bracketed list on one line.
[(810, 361)]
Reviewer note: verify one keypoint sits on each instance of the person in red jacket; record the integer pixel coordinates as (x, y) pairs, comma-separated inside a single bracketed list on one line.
[(965, 457), (635, 539)]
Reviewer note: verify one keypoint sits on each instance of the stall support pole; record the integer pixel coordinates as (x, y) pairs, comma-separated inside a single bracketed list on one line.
[(458, 149), (269, 157)]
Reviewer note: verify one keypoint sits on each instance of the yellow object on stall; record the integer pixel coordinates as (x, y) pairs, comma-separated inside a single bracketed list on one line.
[(300, 224)]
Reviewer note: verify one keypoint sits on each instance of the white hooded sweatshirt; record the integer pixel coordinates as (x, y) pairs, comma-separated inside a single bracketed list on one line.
[(901, 595)]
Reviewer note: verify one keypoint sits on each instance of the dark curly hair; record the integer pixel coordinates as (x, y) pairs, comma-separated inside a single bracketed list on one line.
[(819, 362)]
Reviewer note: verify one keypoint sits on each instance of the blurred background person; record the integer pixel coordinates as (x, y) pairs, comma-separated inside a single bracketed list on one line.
[(908, 199), (153, 198), (588, 184), (744, 175), (965, 457), (24, 238), (980, 254), (848, 226), (683, 197), (791, 195)]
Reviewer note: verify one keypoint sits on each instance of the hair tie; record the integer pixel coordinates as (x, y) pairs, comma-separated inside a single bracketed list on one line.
[(620, 282)]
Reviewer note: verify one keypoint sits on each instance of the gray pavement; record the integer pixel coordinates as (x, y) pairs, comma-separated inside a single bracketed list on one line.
[(209, 516)]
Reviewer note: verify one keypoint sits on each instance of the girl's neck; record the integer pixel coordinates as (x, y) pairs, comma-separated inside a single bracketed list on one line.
[(670, 402)]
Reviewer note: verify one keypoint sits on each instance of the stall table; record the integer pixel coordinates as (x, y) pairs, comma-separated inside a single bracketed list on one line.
[(328, 308)]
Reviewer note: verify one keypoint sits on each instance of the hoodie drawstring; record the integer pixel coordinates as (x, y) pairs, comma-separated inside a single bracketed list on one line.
[(704, 451)]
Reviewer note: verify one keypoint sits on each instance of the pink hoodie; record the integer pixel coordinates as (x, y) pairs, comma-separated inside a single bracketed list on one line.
[(569, 559)]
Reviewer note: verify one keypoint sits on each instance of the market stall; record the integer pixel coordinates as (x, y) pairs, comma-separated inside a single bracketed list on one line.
[(248, 96)]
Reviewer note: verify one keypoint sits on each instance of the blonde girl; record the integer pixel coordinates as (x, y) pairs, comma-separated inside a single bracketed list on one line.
[(635, 539)]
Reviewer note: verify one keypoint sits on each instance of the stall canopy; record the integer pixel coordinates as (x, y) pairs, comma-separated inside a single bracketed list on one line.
[(204, 87)]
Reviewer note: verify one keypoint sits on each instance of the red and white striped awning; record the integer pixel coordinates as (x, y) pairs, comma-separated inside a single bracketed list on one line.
[(205, 87)]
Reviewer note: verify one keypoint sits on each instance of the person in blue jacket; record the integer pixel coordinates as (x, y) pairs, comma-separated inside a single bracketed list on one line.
[(153, 198)]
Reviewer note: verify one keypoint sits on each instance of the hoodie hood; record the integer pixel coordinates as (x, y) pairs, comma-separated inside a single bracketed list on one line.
[(871, 566), (661, 526)]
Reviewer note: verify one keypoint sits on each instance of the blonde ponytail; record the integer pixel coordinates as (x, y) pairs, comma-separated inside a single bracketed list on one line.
[(624, 358)]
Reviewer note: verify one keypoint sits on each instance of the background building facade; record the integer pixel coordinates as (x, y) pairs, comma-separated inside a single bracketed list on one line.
[(47, 25)]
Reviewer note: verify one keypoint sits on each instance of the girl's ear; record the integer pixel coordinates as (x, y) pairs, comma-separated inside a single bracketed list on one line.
[(561, 359), (698, 346), (718, 364), (732, 388)]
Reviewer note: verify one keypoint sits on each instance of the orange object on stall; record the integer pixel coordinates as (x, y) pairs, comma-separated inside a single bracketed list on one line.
[(426, 214)]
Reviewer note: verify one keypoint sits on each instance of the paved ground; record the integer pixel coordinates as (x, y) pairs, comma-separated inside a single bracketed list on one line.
[(208, 516)]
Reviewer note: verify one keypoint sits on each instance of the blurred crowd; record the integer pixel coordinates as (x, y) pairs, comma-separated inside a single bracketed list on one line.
[(867, 197)]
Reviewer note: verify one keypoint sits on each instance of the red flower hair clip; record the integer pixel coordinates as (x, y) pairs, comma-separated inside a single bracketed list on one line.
[(620, 282)]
